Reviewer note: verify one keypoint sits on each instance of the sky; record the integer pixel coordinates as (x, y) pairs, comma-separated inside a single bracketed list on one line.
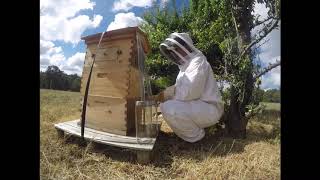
[(64, 22)]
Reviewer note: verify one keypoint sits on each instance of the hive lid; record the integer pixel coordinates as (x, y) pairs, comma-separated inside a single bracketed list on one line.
[(129, 32)]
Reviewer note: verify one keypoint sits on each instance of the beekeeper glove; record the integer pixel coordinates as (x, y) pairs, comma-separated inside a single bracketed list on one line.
[(169, 92), (165, 95)]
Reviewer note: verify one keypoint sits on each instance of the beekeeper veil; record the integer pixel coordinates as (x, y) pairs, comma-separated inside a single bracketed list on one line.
[(178, 48)]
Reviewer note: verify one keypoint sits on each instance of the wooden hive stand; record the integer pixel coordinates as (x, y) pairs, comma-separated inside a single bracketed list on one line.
[(143, 151)]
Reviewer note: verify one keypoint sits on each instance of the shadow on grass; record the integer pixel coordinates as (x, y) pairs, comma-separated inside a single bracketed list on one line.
[(264, 127), (115, 153)]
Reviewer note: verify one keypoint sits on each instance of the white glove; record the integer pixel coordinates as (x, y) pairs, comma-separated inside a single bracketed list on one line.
[(169, 92)]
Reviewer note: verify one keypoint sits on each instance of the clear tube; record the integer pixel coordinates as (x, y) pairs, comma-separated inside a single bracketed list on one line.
[(147, 125)]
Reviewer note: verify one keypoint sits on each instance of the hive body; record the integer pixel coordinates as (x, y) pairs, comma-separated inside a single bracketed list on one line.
[(115, 80)]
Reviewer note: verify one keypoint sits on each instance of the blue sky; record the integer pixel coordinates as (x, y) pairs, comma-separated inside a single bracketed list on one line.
[(64, 22)]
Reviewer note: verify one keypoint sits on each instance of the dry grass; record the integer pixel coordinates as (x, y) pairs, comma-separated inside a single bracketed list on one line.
[(257, 157)]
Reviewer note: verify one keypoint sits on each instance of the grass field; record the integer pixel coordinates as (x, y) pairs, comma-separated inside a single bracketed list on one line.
[(272, 106), (257, 157)]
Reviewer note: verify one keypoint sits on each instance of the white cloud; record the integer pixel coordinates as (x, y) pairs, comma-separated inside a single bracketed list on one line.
[(123, 20), (270, 51), (163, 3), (96, 20), (261, 10), (272, 79), (48, 47), (50, 54), (76, 60), (67, 30), (128, 4), (59, 20), (64, 8), (74, 64)]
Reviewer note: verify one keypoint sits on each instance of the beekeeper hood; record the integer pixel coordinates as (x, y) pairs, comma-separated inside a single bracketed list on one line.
[(178, 48)]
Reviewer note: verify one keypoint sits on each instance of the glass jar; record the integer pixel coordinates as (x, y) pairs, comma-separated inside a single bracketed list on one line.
[(147, 124)]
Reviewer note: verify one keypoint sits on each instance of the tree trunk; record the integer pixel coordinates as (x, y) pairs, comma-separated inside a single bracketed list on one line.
[(235, 126), (236, 122)]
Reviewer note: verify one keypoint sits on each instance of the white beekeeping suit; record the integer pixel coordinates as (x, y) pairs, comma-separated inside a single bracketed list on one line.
[(194, 101)]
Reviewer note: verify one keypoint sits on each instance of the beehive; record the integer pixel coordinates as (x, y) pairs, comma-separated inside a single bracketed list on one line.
[(114, 85)]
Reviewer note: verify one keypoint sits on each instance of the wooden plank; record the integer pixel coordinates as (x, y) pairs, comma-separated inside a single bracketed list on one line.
[(144, 157), (131, 115), (108, 88), (116, 74), (117, 61), (122, 62), (113, 33), (116, 86), (134, 83), (103, 117), (122, 45), (72, 128), (111, 39), (107, 66), (108, 53), (112, 137), (107, 82), (102, 67), (94, 125), (107, 114), (119, 43)]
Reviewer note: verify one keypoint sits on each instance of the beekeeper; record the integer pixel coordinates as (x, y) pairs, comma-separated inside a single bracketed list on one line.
[(194, 102)]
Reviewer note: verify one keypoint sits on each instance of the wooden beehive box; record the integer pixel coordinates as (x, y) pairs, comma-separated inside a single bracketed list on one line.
[(115, 80)]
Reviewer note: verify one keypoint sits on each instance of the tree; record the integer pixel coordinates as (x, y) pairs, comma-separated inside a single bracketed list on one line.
[(54, 78), (272, 95), (43, 81), (258, 96), (75, 82), (241, 93), (221, 29)]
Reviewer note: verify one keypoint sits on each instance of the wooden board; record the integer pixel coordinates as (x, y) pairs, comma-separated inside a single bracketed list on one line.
[(116, 35), (134, 80), (116, 74), (112, 53), (109, 51), (113, 84), (71, 127), (131, 115), (105, 66), (107, 114), (111, 39), (111, 70), (134, 83)]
